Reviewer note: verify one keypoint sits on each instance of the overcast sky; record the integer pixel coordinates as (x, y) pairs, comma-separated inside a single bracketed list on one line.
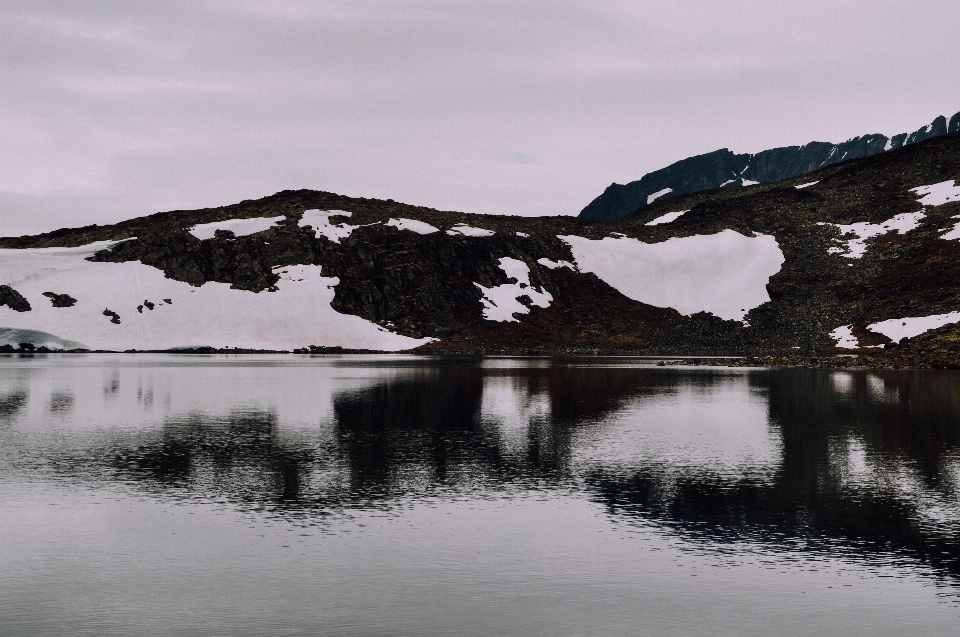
[(110, 110)]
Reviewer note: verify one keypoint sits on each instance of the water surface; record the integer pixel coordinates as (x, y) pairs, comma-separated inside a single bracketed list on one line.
[(364, 495)]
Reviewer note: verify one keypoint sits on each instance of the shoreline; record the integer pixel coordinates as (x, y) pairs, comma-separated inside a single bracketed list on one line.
[(871, 360)]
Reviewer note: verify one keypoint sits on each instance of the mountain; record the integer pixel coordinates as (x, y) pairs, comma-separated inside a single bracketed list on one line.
[(859, 257), (724, 169)]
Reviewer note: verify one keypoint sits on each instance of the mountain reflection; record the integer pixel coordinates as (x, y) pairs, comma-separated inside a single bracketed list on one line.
[(869, 464), (862, 462), (11, 402), (241, 455)]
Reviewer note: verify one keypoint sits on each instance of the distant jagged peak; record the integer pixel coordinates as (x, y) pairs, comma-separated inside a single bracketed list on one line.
[(725, 169)]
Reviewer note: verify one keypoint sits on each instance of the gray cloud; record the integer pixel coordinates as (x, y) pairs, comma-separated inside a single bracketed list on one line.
[(112, 109), (517, 157)]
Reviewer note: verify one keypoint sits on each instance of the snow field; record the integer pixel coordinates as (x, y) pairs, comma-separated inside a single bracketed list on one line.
[(239, 227), (547, 263), (909, 327), (857, 247), (724, 273), (469, 231), (931, 195), (500, 302), (319, 220), (667, 218), (298, 314), (938, 194), (807, 185), (420, 227), (950, 235), (844, 337), (13, 336)]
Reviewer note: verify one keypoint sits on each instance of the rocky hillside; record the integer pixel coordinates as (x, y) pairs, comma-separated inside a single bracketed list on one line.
[(861, 256), (724, 169)]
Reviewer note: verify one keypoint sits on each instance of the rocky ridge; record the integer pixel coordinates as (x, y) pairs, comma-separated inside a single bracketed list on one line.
[(435, 284), (725, 169)]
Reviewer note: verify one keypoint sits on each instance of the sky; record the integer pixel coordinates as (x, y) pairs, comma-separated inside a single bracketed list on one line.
[(112, 110)]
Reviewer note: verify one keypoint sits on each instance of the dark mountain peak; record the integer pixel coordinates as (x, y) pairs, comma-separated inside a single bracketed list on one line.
[(725, 169), (693, 174)]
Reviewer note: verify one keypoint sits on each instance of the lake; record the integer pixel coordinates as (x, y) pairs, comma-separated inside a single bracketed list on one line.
[(395, 495)]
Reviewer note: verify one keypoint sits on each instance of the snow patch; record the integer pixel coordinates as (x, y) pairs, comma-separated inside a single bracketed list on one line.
[(523, 234), (954, 233), (556, 264), (501, 302), (297, 314), (896, 329), (845, 338), (13, 336), (319, 220), (239, 227), (515, 269), (724, 273), (750, 182), (807, 185), (667, 218), (469, 231), (938, 194), (420, 227), (729, 181), (657, 195), (857, 247)]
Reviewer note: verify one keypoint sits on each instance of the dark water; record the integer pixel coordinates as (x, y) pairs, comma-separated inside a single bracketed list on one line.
[(189, 495)]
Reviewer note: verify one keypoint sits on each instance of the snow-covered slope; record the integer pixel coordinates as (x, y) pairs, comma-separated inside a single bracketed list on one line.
[(855, 235), (239, 227), (501, 302), (319, 220), (159, 313), (724, 273), (860, 254)]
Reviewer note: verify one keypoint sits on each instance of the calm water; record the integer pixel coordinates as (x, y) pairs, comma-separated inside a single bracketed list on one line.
[(191, 495)]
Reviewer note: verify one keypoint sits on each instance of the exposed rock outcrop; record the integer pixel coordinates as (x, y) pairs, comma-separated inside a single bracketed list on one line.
[(13, 299), (60, 300)]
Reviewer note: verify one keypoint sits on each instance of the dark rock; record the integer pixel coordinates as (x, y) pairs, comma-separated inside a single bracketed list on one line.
[(60, 300), (13, 299)]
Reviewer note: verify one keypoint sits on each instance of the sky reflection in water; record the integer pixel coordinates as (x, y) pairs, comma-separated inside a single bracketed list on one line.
[(770, 467)]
